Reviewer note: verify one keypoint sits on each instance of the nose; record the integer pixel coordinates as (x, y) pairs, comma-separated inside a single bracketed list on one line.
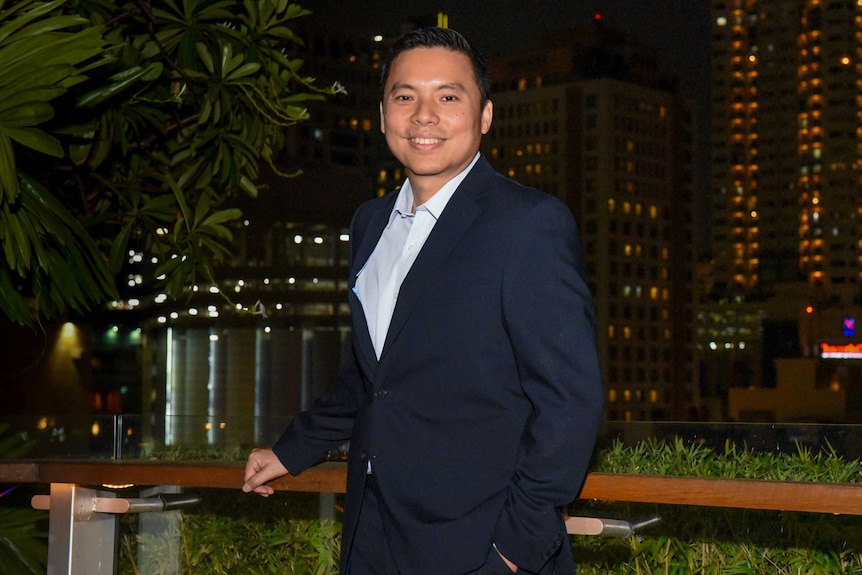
[(425, 112)]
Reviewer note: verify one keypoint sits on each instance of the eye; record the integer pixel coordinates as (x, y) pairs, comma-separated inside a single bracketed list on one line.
[(449, 98)]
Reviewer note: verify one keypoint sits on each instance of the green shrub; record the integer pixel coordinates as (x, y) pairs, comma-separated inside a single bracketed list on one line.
[(722, 541), (23, 538), (234, 532)]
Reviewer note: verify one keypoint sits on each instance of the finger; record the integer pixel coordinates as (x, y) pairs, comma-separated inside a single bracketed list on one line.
[(255, 482), (264, 490), (257, 478)]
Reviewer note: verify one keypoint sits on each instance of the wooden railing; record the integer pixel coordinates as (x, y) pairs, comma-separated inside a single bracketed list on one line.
[(837, 498), (83, 510)]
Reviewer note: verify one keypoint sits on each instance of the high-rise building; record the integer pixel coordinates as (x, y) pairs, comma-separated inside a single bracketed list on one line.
[(785, 176), (787, 98), (588, 116)]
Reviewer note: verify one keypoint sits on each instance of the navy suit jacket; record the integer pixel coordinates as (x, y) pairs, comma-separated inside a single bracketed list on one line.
[(481, 414)]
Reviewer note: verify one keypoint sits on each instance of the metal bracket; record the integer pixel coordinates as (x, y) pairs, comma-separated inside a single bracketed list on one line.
[(118, 506), (83, 525), (606, 527)]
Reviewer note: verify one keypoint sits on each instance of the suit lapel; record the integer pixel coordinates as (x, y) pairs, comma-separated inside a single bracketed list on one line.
[(448, 231)]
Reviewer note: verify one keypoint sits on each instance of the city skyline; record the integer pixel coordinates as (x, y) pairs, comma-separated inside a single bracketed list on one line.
[(587, 116), (678, 29)]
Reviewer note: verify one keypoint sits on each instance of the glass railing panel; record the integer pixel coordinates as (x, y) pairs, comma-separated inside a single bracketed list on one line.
[(132, 436), (229, 531), (844, 440), (138, 436)]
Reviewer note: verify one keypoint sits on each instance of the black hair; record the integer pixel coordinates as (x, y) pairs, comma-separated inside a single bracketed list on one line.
[(440, 38)]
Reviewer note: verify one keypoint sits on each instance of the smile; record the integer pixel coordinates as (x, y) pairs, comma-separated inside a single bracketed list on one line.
[(425, 141)]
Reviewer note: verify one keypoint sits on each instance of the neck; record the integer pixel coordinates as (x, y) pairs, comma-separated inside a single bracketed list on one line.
[(423, 191)]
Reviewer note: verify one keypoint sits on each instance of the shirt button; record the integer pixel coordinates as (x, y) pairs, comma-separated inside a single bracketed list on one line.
[(380, 393)]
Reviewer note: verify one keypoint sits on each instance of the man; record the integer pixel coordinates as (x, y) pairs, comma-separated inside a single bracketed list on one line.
[(472, 397)]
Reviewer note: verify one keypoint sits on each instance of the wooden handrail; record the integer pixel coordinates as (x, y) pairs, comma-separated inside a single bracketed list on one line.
[(836, 498)]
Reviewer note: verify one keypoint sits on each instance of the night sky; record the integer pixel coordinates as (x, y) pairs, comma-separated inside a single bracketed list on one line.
[(678, 29)]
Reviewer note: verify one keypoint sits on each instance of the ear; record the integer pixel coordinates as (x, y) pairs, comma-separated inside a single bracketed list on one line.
[(382, 121), (487, 116)]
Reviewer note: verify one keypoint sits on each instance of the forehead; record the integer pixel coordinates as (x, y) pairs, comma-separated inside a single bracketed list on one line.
[(432, 64)]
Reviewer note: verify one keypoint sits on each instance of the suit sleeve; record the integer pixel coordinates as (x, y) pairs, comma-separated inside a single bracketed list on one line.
[(324, 427), (550, 320)]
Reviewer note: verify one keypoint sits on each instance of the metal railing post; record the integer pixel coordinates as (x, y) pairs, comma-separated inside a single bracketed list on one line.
[(81, 541), (117, 451), (84, 524)]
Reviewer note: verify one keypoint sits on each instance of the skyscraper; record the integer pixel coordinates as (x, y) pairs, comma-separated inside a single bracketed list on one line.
[(786, 166), (588, 116), (787, 145)]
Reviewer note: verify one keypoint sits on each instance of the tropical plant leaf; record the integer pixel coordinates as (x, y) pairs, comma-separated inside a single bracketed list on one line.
[(8, 181), (136, 121), (35, 139)]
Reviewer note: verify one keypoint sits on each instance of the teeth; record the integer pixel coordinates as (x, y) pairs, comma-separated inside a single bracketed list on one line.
[(426, 140)]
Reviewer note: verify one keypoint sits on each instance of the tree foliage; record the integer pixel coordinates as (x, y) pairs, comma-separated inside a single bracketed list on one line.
[(134, 124)]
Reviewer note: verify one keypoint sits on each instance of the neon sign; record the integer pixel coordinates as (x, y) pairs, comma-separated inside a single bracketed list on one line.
[(841, 351)]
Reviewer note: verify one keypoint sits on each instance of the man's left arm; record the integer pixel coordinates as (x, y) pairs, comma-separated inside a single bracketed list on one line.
[(550, 320)]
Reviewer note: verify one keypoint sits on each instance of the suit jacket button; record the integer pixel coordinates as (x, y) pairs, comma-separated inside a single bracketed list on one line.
[(380, 393)]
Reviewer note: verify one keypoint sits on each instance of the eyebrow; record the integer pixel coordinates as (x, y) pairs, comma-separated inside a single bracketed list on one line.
[(458, 87)]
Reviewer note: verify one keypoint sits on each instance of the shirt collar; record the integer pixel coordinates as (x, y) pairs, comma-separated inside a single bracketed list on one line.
[(437, 202)]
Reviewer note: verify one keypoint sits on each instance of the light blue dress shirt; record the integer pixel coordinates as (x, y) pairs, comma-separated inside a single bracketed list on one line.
[(379, 280)]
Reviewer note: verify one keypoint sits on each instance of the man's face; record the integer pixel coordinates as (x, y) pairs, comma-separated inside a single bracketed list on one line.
[(432, 117)]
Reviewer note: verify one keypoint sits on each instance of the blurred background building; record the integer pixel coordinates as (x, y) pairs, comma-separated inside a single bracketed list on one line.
[(760, 325), (589, 116), (786, 135)]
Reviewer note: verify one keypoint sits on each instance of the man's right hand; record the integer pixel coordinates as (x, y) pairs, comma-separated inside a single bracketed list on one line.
[(262, 467)]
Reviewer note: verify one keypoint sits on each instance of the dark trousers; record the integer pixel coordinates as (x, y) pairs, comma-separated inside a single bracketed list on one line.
[(370, 554)]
